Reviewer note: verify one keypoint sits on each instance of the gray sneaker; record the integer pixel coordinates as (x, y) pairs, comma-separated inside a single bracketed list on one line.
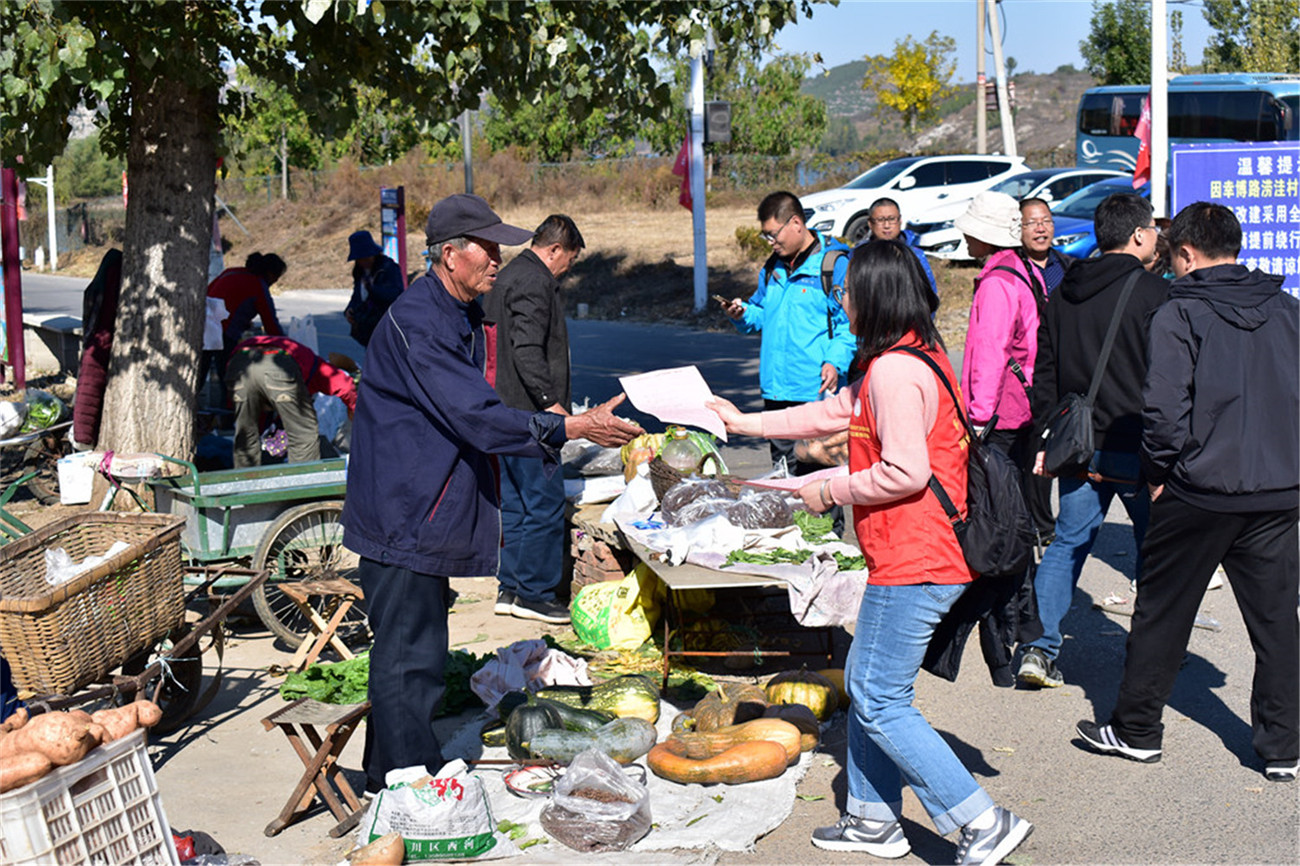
[(1036, 669), (543, 611), (994, 844), (851, 833)]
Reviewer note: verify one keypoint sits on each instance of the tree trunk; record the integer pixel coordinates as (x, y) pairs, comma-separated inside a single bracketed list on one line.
[(171, 161)]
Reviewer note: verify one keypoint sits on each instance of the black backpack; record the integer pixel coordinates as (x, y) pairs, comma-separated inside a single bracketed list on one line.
[(997, 535)]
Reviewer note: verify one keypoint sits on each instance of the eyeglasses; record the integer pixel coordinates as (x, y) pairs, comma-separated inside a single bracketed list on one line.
[(771, 237), (885, 220), (1152, 228), (1039, 223)]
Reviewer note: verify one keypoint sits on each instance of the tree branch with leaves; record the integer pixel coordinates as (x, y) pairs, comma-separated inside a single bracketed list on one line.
[(915, 78)]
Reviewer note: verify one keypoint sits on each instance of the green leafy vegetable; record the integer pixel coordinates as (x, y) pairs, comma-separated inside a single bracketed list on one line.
[(796, 557), (345, 682), (814, 527), (43, 410)]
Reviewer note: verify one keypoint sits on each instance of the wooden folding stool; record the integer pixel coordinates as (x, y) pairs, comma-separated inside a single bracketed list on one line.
[(303, 719)]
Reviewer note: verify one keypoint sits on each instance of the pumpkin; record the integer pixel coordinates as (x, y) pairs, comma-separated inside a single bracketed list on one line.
[(801, 717), (805, 687), (744, 762), (525, 723), (629, 695), (710, 743), (731, 704), (836, 676), (624, 740), (571, 718)]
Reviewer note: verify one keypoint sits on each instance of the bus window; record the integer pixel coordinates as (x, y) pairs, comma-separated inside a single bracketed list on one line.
[(1109, 113), (1221, 115)]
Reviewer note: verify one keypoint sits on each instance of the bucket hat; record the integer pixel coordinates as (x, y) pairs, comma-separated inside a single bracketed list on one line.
[(992, 217), (361, 245)]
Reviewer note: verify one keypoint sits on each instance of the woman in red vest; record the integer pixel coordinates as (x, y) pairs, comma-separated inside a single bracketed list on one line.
[(903, 427)]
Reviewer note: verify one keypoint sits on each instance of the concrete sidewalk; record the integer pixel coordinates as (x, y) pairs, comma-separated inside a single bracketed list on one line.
[(1206, 802)]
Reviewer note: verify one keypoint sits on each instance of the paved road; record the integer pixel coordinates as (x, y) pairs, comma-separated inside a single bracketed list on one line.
[(1206, 802)]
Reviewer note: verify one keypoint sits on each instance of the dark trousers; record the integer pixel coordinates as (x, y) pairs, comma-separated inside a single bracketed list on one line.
[(1259, 554), (783, 449), (532, 529), (408, 615), (1020, 447)]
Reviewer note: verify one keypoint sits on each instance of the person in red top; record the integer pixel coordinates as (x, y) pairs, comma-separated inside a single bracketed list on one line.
[(246, 292), (276, 374), (902, 427)]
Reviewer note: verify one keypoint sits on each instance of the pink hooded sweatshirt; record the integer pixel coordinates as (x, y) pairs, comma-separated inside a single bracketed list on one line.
[(1003, 326)]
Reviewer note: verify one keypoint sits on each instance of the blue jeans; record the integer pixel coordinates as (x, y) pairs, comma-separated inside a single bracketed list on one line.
[(890, 742), (1082, 511), (532, 529)]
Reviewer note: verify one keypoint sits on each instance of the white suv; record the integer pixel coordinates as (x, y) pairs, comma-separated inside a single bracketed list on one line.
[(917, 183)]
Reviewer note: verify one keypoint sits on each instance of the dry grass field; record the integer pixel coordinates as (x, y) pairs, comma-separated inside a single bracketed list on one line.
[(638, 263)]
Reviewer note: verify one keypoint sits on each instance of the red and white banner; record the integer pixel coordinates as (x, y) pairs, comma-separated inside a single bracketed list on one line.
[(1142, 166), (682, 168)]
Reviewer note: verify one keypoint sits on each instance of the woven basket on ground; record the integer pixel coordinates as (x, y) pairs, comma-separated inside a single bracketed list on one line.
[(58, 639)]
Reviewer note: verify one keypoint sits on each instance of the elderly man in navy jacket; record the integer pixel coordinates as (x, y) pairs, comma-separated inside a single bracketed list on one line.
[(422, 488)]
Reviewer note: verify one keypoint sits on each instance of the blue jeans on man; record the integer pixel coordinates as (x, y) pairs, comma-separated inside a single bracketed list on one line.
[(532, 529), (1083, 507), (890, 742)]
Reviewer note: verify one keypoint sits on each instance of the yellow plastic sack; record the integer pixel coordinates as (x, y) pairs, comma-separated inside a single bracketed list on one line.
[(617, 614)]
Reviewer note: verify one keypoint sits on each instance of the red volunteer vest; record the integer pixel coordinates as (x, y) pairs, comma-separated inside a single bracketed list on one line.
[(910, 541)]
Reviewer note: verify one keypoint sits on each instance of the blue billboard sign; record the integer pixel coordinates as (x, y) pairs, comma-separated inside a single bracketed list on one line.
[(1260, 182)]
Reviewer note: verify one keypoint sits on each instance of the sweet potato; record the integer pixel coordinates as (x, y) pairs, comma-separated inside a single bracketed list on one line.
[(16, 720), (23, 769), (58, 736), (387, 850), (147, 713), (117, 722)]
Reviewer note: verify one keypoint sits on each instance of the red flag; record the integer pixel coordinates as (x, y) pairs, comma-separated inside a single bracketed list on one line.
[(682, 168), (1142, 166)]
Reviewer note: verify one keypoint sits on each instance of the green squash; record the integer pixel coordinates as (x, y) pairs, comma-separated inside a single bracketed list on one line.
[(632, 695), (624, 740), (526, 722)]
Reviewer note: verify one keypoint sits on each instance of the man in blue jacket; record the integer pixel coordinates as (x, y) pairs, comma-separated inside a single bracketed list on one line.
[(1221, 453), (806, 347), (886, 222), (422, 486)]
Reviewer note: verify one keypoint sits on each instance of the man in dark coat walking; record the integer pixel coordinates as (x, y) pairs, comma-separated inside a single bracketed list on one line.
[(527, 305)]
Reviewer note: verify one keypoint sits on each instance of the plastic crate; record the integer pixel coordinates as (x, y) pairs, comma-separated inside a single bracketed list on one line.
[(104, 809)]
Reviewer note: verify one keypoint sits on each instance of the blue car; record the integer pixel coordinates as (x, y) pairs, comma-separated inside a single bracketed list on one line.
[(1073, 216)]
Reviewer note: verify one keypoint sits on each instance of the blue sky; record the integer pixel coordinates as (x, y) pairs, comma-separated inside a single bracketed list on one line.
[(1040, 34)]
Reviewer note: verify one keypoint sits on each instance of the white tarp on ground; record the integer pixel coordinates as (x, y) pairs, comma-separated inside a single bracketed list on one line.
[(685, 816)]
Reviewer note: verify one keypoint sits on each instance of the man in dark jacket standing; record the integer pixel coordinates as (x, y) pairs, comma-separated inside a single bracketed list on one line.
[(1221, 452), (421, 501), (533, 374), (1070, 336), (377, 281)]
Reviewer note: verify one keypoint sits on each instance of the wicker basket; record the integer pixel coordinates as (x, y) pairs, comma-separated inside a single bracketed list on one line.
[(663, 476), (59, 639)]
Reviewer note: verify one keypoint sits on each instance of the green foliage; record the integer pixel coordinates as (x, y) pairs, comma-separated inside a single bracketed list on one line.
[(769, 114), (547, 130), (1118, 48), (751, 243), (841, 137), (915, 78), (85, 171), (1255, 36)]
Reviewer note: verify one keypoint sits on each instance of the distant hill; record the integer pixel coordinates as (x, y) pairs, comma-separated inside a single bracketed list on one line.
[(1044, 115)]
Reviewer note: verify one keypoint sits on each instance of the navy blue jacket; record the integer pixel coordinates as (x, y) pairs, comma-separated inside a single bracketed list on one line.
[(422, 485)]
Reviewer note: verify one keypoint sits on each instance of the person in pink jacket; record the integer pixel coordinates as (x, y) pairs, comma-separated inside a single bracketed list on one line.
[(997, 368)]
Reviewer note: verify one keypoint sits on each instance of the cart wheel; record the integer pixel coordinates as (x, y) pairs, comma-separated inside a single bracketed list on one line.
[(42, 456), (178, 692), (305, 543)]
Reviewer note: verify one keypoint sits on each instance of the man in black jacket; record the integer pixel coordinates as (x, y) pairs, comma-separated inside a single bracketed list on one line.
[(1221, 452), (1070, 336), (533, 374)]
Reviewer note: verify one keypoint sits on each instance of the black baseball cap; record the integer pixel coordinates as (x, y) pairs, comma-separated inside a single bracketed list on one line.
[(463, 215)]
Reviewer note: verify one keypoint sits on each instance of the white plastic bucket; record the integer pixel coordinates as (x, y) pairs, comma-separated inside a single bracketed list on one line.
[(77, 476)]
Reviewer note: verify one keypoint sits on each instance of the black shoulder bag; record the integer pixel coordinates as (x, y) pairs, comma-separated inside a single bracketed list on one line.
[(997, 535), (1067, 440)]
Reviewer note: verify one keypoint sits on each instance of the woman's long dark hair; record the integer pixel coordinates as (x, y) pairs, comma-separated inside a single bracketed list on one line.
[(891, 298)]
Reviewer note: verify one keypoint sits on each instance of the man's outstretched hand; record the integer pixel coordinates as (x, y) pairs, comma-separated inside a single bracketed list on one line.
[(600, 425)]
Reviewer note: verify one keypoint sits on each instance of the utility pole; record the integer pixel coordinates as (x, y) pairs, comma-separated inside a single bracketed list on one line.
[(1004, 102), (1159, 108), (467, 149), (697, 181), (981, 109)]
